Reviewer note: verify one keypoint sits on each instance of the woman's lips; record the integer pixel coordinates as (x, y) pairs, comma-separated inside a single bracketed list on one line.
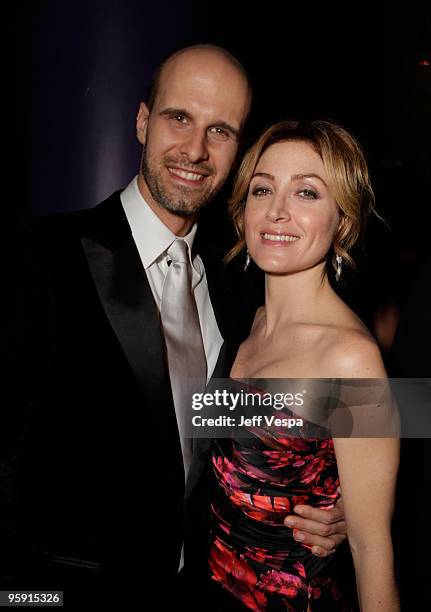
[(278, 240)]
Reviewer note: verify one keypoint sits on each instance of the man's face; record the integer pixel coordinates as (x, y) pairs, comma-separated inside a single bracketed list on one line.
[(190, 137)]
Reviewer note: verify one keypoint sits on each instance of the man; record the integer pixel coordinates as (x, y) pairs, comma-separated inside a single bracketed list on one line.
[(96, 447)]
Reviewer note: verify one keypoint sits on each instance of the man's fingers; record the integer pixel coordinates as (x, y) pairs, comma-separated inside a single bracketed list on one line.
[(321, 552), (321, 547), (314, 527), (321, 516), (321, 530)]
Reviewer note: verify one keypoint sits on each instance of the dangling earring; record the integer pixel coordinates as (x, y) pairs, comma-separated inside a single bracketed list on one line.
[(247, 261), (339, 261)]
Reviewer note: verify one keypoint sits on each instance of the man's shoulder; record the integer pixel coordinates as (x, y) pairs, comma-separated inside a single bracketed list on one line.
[(78, 222), (55, 239), (59, 231)]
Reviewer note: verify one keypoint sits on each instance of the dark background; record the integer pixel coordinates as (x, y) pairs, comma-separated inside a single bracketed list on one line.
[(74, 72)]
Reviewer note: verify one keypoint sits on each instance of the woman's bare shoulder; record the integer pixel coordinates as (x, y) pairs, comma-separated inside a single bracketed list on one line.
[(352, 352), (348, 349)]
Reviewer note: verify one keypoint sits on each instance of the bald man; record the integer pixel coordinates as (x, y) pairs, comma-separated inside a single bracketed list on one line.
[(100, 459)]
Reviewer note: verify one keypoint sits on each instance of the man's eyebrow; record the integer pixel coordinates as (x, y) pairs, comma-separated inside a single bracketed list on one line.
[(298, 177), (221, 124), (176, 111)]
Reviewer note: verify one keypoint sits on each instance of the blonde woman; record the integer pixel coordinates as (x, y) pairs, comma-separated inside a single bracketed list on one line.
[(300, 200)]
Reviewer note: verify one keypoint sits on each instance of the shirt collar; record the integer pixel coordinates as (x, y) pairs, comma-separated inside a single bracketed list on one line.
[(150, 234)]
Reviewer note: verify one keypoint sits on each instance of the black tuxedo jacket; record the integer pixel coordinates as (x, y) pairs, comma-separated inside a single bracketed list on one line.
[(92, 477)]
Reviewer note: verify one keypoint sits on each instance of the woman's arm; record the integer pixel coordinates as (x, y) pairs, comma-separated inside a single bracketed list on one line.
[(368, 469)]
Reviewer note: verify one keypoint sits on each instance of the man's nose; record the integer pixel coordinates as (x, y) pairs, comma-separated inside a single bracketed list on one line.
[(195, 146)]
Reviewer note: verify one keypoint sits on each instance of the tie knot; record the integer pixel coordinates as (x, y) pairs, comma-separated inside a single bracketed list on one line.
[(178, 251)]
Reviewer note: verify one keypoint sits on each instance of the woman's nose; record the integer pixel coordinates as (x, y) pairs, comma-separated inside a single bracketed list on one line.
[(279, 210)]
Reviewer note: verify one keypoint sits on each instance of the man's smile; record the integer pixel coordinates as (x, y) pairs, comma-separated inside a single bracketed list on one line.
[(187, 177)]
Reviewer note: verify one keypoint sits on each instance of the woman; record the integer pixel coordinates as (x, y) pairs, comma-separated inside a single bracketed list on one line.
[(299, 204)]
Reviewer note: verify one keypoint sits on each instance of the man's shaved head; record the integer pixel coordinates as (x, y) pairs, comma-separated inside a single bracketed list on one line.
[(194, 51)]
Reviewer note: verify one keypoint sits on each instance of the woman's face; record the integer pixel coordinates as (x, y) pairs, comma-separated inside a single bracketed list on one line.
[(290, 217)]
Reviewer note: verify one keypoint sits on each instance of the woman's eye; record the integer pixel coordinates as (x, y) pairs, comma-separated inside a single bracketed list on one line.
[(308, 194), (259, 191)]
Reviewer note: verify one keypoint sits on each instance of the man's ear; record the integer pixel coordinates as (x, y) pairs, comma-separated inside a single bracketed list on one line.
[(142, 123)]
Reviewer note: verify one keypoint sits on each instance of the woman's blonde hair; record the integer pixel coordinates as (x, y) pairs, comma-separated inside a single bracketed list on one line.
[(346, 169)]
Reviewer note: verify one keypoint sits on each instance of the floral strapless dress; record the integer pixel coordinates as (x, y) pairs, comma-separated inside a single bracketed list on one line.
[(256, 481)]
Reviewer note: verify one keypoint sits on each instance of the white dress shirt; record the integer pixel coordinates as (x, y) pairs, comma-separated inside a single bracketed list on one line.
[(152, 239)]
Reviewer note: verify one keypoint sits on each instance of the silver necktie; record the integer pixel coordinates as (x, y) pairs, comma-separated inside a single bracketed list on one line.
[(183, 338)]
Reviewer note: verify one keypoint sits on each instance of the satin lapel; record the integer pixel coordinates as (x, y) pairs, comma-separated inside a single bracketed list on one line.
[(219, 298), (202, 446), (128, 302), (222, 308)]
